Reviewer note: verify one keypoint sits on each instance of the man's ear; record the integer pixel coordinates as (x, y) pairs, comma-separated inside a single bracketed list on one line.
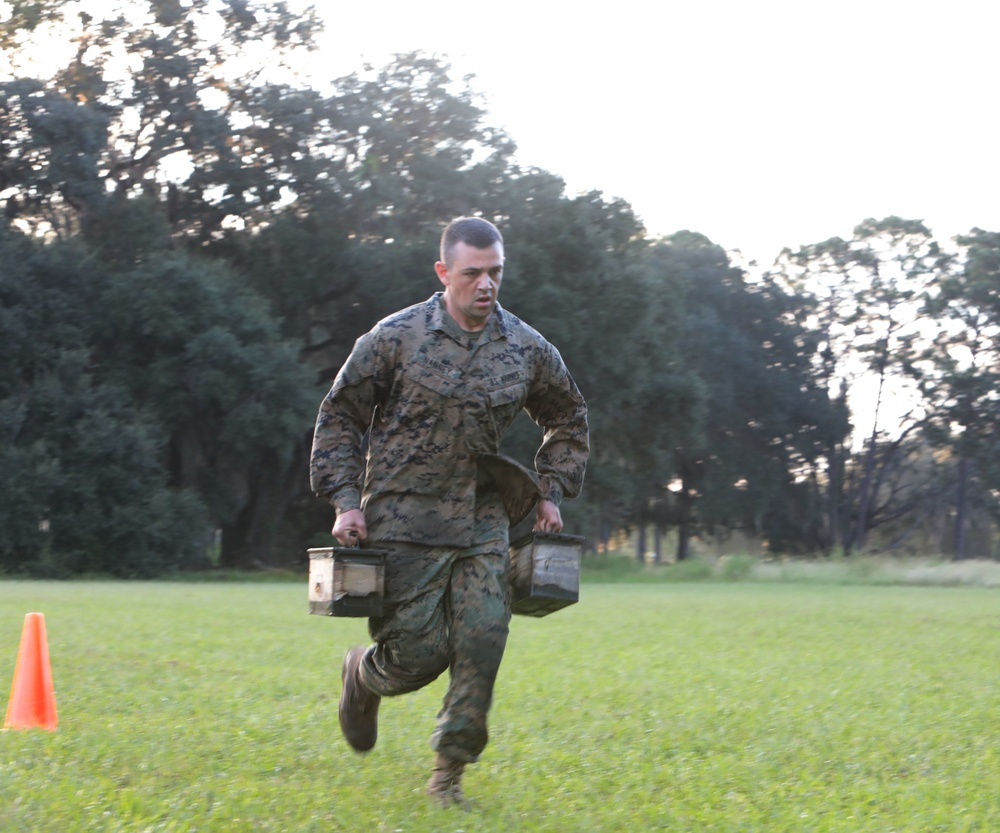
[(442, 272)]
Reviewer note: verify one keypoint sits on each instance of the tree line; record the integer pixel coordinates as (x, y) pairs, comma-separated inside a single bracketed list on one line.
[(189, 249)]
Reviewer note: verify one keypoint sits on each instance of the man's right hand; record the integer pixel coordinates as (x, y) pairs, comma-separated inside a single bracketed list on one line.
[(350, 527)]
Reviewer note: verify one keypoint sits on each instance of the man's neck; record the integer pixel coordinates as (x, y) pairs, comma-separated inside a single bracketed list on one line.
[(475, 330)]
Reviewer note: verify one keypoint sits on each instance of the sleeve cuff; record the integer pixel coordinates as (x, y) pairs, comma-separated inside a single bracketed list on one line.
[(345, 499), (550, 489)]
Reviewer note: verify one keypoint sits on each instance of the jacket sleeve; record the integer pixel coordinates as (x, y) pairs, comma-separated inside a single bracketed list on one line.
[(556, 404), (337, 464)]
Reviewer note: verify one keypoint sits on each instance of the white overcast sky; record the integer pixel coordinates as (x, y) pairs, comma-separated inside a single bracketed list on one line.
[(760, 124)]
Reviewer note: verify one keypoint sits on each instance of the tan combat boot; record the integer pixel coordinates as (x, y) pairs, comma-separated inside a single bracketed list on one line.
[(445, 786)]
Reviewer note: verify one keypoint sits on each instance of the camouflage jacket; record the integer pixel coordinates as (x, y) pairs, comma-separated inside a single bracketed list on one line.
[(434, 399)]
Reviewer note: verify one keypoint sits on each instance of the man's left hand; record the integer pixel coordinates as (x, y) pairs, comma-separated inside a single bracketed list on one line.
[(548, 518)]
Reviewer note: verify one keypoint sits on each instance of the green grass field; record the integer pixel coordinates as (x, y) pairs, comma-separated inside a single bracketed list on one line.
[(683, 707)]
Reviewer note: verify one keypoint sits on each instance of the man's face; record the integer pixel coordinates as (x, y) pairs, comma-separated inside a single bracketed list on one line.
[(471, 283)]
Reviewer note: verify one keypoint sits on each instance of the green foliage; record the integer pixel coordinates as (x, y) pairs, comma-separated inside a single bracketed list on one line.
[(616, 568), (962, 375), (766, 416), (188, 102), (736, 567), (233, 234), (82, 479), (854, 570), (116, 382), (864, 313), (580, 272), (49, 147)]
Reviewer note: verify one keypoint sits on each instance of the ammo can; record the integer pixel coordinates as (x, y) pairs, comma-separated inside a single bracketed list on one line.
[(346, 581), (545, 572)]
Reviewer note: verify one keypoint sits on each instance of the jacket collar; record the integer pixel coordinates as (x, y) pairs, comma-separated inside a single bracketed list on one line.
[(439, 320)]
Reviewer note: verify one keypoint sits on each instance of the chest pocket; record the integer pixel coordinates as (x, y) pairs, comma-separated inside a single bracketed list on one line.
[(422, 399), (435, 375), (505, 404), (511, 395)]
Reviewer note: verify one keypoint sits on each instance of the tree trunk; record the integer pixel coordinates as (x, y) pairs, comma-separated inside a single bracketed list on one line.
[(834, 500), (683, 542), (685, 519), (961, 506), (640, 543), (868, 475), (864, 499)]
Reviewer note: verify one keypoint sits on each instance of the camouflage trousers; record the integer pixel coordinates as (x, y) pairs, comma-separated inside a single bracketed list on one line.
[(446, 608)]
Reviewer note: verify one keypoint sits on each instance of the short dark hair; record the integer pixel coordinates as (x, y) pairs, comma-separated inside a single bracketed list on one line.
[(472, 231)]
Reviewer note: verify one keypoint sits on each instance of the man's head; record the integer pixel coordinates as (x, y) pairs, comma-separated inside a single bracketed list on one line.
[(473, 231), (471, 268)]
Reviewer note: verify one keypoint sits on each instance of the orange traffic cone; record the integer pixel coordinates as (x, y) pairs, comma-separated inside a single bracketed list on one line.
[(32, 697)]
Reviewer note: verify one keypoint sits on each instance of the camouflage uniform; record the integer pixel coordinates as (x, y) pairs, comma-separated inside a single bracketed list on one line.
[(436, 402)]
